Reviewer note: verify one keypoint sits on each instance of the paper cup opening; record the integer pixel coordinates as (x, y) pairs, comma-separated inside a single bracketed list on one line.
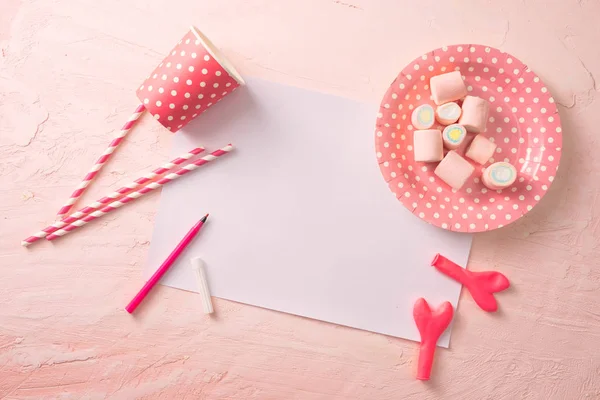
[(217, 55)]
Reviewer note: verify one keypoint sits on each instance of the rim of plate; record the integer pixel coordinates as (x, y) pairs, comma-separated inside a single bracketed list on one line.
[(523, 122)]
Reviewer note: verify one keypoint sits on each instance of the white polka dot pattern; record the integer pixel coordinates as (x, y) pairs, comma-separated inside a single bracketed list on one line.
[(185, 84), (523, 123)]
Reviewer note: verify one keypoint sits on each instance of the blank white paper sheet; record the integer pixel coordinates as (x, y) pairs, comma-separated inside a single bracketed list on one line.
[(301, 220)]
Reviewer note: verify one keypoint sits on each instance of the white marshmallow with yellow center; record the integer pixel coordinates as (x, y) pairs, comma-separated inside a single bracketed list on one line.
[(453, 136), (423, 117)]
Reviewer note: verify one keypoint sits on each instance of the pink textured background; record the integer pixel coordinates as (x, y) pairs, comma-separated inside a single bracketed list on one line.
[(68, 72)]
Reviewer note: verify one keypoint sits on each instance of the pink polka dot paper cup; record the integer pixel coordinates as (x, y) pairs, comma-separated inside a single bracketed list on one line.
[(523, 123), (192, 78)]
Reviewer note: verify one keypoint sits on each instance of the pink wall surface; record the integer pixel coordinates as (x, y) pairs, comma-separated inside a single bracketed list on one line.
[(68, 71)]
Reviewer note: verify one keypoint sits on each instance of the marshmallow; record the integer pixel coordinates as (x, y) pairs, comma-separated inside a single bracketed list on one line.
[(474, 114), (447, 87), (454, 170), (453, 136), (428, 145), (448, 113), (423, 117), (481, 149), (499, 175)]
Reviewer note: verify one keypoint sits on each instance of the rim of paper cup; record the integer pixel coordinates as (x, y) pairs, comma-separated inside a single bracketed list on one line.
[(217, 55)]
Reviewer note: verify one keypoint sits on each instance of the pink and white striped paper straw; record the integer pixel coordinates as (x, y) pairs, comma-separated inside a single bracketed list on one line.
[(111, 197), (139, 193), (101, 161)]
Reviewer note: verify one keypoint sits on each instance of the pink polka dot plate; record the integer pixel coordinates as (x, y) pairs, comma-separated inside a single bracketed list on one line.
[(523, 122)]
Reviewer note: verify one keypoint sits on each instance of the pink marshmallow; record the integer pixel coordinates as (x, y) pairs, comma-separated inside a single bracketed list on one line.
[(475, 112), (499, 175), (428, 146), (448, 113), (447, 87), (454, 170), (481, 149)]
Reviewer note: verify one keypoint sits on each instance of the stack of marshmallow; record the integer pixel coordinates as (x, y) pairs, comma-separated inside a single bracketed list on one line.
[(472, 116)]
